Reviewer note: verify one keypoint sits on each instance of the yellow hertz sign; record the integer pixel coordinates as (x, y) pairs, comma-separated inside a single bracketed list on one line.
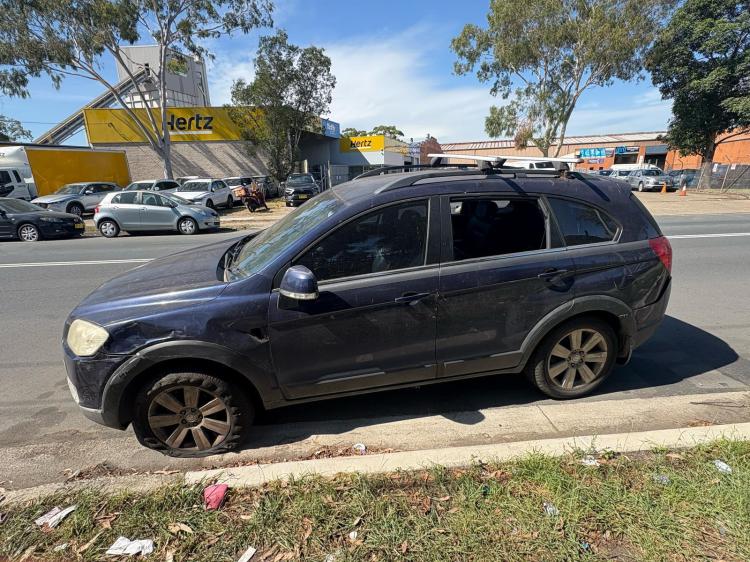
[(185, 124), (373, 143)]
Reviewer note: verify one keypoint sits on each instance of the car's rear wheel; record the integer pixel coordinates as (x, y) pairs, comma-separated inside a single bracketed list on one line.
[(109, 228), (186, 414), (75, 209), (640, 186), (574, 359), (28, 233), (187, 226), (230, 202)]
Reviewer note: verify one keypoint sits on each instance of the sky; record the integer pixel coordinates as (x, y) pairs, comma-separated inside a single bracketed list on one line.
[(393, 65)]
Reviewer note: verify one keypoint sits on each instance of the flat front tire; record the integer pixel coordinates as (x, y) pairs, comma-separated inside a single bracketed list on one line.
[(574, 358), (191, 414)]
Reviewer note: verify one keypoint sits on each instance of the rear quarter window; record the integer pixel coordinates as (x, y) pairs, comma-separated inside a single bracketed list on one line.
[(583, 224)]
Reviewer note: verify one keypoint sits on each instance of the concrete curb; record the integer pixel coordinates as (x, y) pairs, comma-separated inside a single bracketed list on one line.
[(248, 476)]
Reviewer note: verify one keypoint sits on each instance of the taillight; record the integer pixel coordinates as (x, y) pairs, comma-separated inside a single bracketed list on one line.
[(663, 250), (96, 209)]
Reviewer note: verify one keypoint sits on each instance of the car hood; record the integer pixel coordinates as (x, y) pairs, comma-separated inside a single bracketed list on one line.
[(54, 198), (177, 281), (191, 194)]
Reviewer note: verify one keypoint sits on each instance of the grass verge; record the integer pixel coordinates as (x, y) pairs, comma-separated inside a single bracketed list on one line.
[(656, 506)]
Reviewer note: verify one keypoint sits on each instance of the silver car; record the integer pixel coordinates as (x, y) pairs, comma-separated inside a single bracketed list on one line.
[(153, 185), (133, 211), (208, 192), (650, 180), (76, 198)]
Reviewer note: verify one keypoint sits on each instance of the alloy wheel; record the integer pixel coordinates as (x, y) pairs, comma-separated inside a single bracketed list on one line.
[(189, 418), (28, 233), (76, 210), (577, 359)]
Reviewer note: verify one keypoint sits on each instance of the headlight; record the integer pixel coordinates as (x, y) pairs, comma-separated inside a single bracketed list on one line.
[(50, 219), (85, 338)]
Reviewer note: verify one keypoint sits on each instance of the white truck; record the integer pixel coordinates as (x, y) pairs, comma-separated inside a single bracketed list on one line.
[(28, 171)]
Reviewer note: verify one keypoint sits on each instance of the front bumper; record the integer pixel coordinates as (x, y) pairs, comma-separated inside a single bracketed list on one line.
[(53, 229), (210, 223)]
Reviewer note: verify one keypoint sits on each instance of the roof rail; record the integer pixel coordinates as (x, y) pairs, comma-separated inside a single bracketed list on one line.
[(383, 170), (499, 161)]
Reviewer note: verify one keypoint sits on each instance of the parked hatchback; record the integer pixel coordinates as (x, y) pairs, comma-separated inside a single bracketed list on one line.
[(208, 192), (153, 185), (383, 282), (76, 198), (299, 188), (138, 211)]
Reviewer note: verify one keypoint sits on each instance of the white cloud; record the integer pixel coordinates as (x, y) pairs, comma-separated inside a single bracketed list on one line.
[(386, 80)]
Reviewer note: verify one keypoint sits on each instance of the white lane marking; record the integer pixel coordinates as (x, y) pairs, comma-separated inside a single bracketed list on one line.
[(719, 235), (61, 263)]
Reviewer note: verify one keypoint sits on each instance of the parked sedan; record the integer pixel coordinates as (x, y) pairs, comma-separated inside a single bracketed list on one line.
[(76, 198), (650, 180), (27, 222), (689, 175), (208, 192), (270, 186), (134, 211), (153, 185)]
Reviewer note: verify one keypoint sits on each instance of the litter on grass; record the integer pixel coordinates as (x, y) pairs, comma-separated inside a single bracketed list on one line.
[(214, 496), (589, 461), (722, 467), (54, 516), (661, 479), (125, 547), (361, 448), (60, 547), (551, 510), (247, 555)]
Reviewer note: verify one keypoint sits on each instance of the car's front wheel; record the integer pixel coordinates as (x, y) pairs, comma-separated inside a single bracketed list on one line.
[(187, 226), (574, 359), (210, 204), (230, 202), (640, 186), (191, 414), (75, 209)]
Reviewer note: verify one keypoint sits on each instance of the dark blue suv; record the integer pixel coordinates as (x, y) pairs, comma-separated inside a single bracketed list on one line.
[(386, 281)]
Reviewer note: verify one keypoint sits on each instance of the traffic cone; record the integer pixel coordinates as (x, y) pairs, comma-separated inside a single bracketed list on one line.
[(683, 191), (664, 187)]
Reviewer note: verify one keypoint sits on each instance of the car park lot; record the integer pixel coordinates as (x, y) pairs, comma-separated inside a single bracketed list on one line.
[(695, 370)]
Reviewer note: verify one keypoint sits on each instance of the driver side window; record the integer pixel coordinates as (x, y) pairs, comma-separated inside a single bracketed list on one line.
[(388, 239)]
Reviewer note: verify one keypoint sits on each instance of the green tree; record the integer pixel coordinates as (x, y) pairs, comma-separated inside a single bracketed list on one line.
[(390, 131), (292, 88), (702, 62), (11, 130), (546, 53), (352, 132), (60, 38)]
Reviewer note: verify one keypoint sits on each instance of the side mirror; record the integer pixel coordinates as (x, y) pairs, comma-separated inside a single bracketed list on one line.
[(299, 283), (88, 192)]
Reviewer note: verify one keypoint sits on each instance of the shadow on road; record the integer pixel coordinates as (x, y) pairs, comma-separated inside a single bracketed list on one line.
[(677, 352)]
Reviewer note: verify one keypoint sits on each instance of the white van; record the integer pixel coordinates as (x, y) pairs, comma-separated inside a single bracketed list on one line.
[(622, 171), (15, 174)]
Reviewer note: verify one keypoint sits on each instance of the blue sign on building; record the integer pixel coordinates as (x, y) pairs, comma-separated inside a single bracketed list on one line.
[(593, 152), (330, 128)]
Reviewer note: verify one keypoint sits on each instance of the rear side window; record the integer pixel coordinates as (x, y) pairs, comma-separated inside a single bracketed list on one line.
[(388, 239), (485, 227), (5, 177), (583, 224), (125, 198)]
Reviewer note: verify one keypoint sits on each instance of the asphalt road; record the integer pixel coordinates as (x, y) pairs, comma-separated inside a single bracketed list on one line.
[(703, 347)]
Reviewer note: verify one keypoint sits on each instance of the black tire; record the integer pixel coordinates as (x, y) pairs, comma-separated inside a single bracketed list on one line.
[(538, 367), (187, 226), (210, 204), (640, 187), (236, 415), (230, 202), (75, 209), (28, 232), (108, 228)]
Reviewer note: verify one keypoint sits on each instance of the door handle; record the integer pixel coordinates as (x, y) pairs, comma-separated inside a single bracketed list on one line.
[(411, 297), (552, 273)]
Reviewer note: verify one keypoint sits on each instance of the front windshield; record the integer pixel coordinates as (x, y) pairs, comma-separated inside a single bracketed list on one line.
[(300, 180), (18, 206), (259, 251), (194, 186), (138, 185), (176, 198), (70, 188), (651, 173)]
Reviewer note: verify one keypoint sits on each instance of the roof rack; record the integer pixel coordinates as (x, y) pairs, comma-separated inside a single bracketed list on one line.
[(499, 161), (383, 170)]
